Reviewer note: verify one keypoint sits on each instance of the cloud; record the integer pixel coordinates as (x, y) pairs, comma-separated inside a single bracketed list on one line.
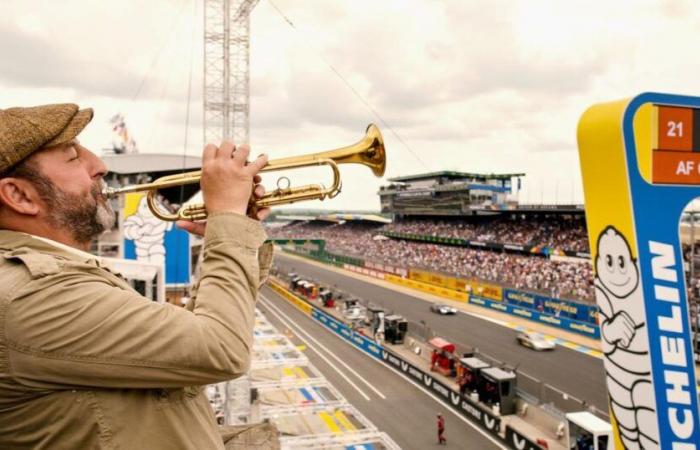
[(493, 85), (31, 61)]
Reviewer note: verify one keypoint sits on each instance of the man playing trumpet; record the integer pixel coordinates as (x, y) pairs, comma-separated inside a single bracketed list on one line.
[(85, 361)]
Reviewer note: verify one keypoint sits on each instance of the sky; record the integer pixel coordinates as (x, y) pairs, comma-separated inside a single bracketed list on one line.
[(476, 86)]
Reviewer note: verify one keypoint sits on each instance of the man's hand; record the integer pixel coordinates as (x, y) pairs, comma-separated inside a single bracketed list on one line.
[(620, 330), (227, 182), (198, 228)]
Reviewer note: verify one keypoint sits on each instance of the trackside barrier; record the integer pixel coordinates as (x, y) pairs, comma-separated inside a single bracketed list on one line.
[(358, 340), (517, 440), (472, 411), (549, 305), (364, 271), (419, 285), (299, 303), (430, 288), (585, 329)]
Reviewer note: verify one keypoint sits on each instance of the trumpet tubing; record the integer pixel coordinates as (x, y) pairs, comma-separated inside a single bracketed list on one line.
[(368, 151)]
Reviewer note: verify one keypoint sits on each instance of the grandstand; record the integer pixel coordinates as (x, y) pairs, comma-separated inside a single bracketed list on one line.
[(531, 256)]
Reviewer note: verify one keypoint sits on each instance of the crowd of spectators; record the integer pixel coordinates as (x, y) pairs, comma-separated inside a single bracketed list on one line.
[(560, 233), (562, 279)]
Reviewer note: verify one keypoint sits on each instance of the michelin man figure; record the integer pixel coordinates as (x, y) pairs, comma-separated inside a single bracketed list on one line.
[(624, 340), (148, 234)]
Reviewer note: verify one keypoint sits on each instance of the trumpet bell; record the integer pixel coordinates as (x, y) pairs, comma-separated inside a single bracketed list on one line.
[(375, 155)]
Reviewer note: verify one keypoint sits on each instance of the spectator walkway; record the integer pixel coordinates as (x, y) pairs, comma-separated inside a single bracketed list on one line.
[(308, 411)]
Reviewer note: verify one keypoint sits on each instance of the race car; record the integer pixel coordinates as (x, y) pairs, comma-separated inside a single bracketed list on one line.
[(442, 309), (535, 341)]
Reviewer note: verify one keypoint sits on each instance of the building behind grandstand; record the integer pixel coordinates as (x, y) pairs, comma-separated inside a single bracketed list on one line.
[(448, 193)]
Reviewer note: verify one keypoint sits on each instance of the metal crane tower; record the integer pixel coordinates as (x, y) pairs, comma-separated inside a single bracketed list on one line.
[(226, 69)]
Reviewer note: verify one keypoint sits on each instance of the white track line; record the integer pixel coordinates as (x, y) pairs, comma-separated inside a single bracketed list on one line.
[(333, 366), (421, 388), (315, 341)]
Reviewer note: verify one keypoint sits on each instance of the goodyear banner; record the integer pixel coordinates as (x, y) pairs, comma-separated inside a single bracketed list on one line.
[(554, 307), (586, 329), (149, 239), (640, 161)]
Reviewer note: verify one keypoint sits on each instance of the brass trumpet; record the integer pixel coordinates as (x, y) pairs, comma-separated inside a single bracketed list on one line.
[(368, 151)]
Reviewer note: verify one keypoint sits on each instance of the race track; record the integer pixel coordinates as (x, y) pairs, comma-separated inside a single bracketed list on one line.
[(572, 372), (393, 404)]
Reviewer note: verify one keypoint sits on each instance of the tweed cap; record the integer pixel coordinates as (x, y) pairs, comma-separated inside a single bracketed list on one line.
[(23, 131)]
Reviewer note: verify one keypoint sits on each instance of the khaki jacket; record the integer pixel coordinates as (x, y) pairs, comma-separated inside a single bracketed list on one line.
[(86, 362)]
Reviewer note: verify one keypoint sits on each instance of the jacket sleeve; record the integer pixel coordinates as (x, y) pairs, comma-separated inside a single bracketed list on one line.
[(75, 328)]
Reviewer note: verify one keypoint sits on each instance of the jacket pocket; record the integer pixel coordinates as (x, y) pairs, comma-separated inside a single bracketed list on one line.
[(165, 398)]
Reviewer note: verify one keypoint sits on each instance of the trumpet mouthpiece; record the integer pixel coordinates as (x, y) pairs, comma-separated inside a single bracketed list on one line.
[(109, 193)]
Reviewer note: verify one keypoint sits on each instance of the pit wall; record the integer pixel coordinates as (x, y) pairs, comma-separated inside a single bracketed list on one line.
[(566, 315)]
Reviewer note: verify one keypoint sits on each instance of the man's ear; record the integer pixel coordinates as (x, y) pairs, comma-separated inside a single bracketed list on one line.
[(20, 195)]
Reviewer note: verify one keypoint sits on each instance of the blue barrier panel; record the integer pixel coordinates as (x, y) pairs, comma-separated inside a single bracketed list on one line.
[(358, 340), (469, 409), (587, 329), (549, 305)]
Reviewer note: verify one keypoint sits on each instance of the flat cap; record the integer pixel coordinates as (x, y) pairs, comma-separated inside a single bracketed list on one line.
[(23, 131)]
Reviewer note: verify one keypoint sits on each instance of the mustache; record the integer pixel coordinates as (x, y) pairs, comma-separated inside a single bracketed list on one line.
[(96, 189)]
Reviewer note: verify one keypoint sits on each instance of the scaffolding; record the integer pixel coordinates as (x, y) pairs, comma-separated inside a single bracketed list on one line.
[(226, 70), (293, 394)]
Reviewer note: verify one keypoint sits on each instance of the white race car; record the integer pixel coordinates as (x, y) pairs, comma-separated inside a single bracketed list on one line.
[(535, 341), (442, 309)]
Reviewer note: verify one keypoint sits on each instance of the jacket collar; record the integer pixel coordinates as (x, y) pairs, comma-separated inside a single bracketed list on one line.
[(15, 240)]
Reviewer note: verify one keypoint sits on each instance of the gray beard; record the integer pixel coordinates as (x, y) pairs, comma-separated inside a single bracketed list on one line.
[(83, 219)]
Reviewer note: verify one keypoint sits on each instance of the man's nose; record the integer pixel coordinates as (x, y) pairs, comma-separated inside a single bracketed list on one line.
[(97, 167)]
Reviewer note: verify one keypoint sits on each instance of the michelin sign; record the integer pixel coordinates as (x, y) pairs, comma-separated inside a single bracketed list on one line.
[(640, 160), (151, 240)]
